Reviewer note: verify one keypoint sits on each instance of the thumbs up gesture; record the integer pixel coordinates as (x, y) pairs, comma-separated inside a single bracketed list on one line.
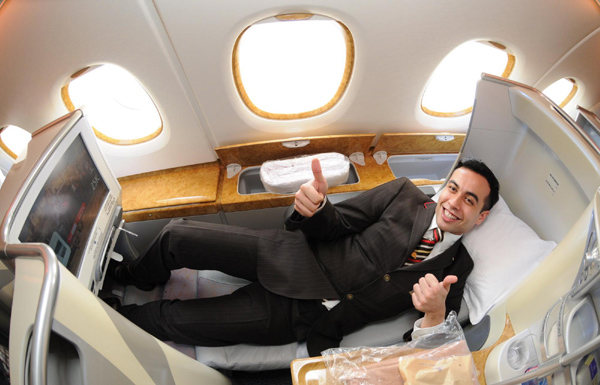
[(429, 296), (312, 193)]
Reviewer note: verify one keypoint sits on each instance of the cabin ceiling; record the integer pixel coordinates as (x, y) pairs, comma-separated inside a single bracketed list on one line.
[(181, 52)]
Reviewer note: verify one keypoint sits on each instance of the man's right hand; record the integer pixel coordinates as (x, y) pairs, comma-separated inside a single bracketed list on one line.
[(312, 193)]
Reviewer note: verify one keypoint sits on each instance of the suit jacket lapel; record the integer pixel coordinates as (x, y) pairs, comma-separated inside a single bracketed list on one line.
[(422, 221)]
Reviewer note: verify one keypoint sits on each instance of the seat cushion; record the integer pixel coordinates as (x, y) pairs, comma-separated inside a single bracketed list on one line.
[(188, 284)]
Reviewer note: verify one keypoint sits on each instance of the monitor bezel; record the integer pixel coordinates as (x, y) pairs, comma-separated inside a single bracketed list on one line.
[(48, 145)]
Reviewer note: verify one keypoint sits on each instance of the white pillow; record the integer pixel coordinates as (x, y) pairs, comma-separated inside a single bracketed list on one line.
[(505, 250)]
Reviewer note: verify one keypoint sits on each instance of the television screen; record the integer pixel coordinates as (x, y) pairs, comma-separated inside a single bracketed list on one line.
[(65, 210)]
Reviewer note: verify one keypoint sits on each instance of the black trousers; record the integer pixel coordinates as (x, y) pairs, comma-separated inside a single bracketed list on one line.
[(251, 314)]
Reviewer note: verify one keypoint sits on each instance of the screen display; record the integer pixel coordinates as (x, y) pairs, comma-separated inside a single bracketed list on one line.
[(66, 208)]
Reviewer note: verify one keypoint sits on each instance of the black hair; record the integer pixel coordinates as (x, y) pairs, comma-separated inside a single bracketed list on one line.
[(482, 169)]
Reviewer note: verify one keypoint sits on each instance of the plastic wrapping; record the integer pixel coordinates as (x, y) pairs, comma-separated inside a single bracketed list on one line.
[(441, 357), (285, 176)]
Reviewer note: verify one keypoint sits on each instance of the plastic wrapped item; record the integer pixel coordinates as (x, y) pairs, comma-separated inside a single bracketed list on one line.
[(441, 357), (285, 176)]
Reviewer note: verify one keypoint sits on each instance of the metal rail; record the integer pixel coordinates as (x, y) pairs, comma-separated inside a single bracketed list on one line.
[(543, 371), (594, 124), (46, 305), (553, 366)]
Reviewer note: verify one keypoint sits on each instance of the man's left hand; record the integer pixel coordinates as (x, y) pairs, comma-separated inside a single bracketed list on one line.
[(429, 296)]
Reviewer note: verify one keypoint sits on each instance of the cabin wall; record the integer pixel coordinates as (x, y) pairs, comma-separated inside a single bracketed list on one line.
[(548, 174), (397, 48), (181, 52), (578, 61), (45, 42)]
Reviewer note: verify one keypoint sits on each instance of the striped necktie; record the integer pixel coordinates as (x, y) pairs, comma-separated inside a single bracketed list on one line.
[(430, 238)]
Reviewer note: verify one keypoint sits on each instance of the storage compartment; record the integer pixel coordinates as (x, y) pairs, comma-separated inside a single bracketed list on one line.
[(581, 325), (581, 328), (249, 180), (424, 166)]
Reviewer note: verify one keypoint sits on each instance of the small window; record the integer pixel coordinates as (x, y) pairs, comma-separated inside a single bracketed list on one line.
[(118, 107), (293, 66), (13, 140), (451, 89), (562, 91)]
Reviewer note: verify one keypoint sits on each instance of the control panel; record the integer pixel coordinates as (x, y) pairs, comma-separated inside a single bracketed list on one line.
[(589, 270)]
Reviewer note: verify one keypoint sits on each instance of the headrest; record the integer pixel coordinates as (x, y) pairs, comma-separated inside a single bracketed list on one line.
[(505, 250)]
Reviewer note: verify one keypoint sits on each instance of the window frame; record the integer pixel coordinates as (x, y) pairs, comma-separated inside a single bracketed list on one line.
[(348, 70), (571, 94), (5, 147), (66, 98), (510, 65)]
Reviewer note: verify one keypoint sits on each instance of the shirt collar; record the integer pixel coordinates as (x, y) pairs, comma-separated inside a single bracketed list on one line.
[(448, 240)]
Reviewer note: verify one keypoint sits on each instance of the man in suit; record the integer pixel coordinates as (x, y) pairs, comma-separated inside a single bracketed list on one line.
[(359, 253)]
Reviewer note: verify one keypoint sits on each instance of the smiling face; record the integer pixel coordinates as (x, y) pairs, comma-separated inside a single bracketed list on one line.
[(461, 202)]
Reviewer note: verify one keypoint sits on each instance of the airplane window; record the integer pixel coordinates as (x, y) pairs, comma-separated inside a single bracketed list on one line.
[(451, 89), (562, 91), (13, 140), (293, 66), (118, 107)]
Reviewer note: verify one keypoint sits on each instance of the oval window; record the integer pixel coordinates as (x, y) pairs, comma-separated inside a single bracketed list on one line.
[(451, 89), (13, 140), (293, 66), (117, 106), (562, 91)]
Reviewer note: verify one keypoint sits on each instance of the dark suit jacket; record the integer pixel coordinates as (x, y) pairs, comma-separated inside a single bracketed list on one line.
[(358, 249)]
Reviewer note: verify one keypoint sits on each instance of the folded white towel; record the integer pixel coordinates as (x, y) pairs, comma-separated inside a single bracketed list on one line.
[(285, 176)]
